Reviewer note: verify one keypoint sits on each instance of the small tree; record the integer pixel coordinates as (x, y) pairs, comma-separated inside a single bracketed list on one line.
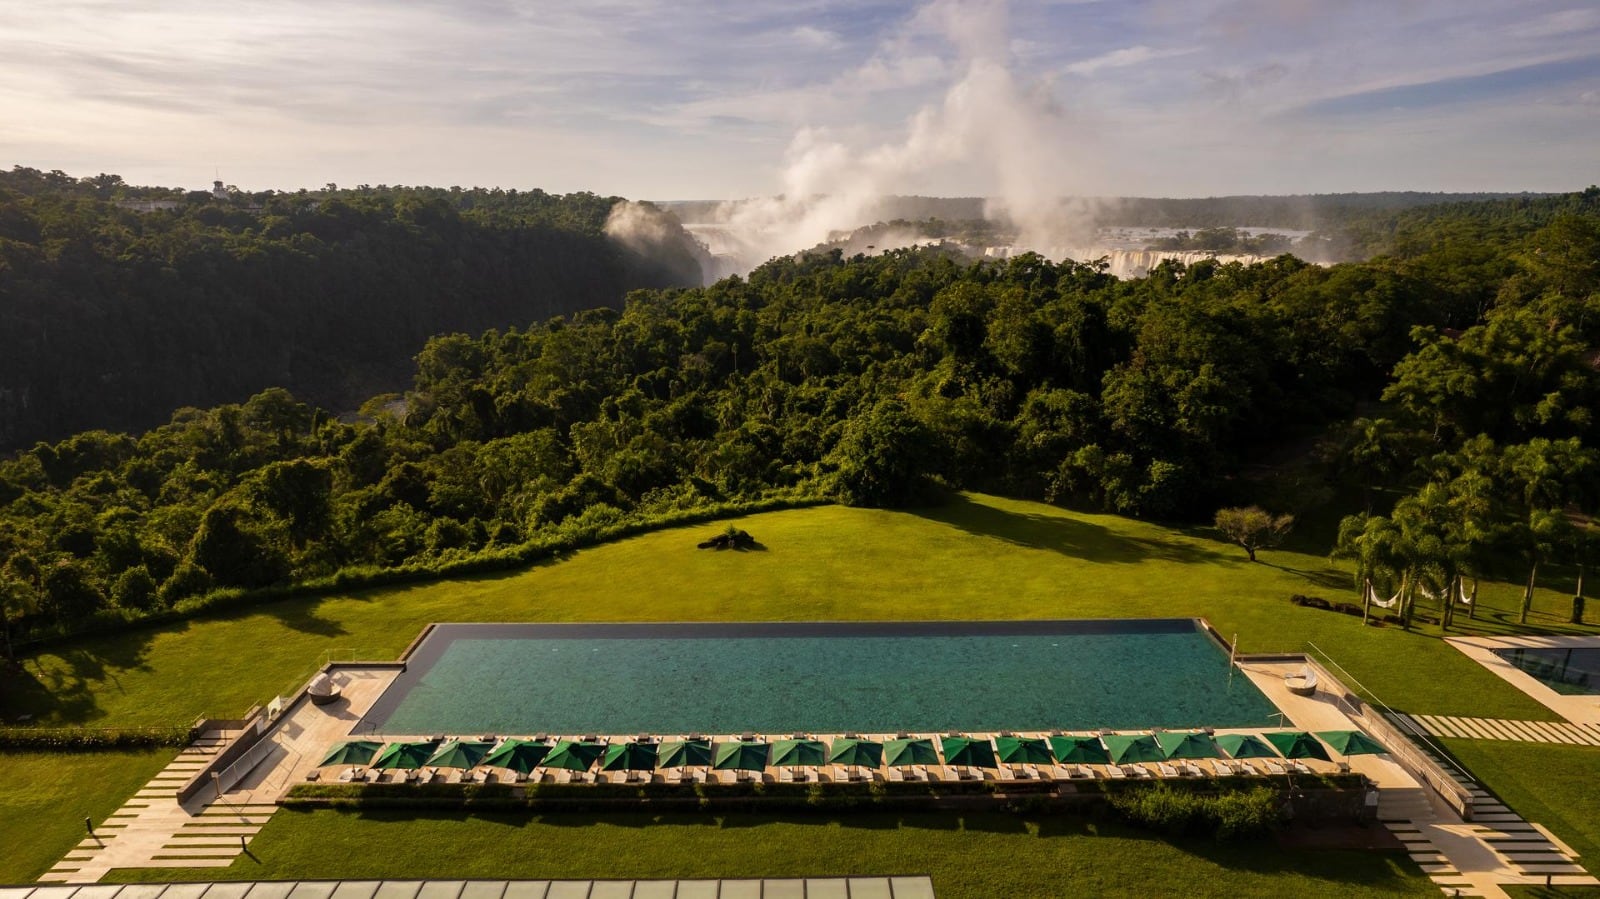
[(1253, 527)]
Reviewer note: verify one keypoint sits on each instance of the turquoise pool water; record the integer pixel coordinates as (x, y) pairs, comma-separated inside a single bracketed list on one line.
[(1574, 671), (819, 678)]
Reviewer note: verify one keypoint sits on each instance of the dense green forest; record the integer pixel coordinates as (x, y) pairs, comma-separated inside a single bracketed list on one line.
[(121, 304), (1450, 389)]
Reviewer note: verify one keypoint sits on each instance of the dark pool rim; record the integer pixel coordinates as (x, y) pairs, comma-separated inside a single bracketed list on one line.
[(421, 649)]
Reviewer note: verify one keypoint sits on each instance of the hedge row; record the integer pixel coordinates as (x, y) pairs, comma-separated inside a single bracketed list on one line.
[(83, 739), (1229, 814), (1227, 807), (566, 538)]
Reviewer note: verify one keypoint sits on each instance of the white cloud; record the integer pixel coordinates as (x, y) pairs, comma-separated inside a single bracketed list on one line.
[(1127, 56)]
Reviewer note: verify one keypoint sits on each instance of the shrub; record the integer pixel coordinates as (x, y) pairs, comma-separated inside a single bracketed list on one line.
[(1227, 815), (82, 739)]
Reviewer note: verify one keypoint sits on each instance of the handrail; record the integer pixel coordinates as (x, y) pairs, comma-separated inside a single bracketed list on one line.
[(1389, 712), (1388, 718)]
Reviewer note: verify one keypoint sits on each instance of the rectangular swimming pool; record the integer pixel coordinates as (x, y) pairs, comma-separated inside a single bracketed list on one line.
[(1571, 670), (879, 677)]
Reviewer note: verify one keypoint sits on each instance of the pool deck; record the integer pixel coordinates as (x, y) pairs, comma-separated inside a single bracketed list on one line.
[(1578, 709)]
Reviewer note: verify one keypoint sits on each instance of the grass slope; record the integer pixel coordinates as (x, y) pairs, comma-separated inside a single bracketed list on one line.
[(969, 857), (44, 797), (1552, 784), (975, 557)]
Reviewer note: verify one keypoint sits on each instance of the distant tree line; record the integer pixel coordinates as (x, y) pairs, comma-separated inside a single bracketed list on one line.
[(111, 317), (1463, 384)]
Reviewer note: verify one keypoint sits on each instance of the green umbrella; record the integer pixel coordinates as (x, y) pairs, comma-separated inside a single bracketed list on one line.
[(1079, 750), (1127, 748), (684, 753), (910, 751), (406, 755), (968, 752), (739, 755), (1245, 746), (1297, 744), (573, 755), (460, 754), (521, 756), (799, 753), (1024, 751), (352, 752), (1351, 742), (857, 752), (629, 757), (1191, 745)]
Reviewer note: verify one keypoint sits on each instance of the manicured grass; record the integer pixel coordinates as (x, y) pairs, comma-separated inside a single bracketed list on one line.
[(976, 557), (974, 856), (1553, 784), (44, 797)]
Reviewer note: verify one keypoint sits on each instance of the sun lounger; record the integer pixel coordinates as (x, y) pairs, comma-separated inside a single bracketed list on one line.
[(1116, 772), (1275, 768), (314, 774), (1299, 767), (1166, 770), (896, 775)]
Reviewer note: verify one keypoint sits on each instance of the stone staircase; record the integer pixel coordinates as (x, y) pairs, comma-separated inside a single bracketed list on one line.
[(153, 830)]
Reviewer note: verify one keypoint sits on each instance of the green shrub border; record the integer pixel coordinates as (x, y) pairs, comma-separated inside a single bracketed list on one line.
[(1230, 808), (566, 539), (89, 739)]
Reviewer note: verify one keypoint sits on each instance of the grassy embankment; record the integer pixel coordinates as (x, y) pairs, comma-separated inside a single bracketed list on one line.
[(977, 557)]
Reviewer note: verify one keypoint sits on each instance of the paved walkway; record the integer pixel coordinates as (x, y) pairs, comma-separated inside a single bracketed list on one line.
[(1496, 848), (152, 830), (1505, 729), (1466, 858), (814, 888)]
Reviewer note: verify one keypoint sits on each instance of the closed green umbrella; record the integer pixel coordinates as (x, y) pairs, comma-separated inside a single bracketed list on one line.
[(406, 755), (799, 753), (1126, 749), (630, 757), (1245, 746), (968, 752), (1192, 745), (856, 752), (1079, 750), (739, 755), (1351, 742), (460, 754), (907, 751), (1297, 744), (521, 756), (573, 755), (352, 752), (1024, 751), (684, 753)]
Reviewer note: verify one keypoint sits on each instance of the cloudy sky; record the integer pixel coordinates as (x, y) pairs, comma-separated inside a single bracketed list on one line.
[(668, 99)]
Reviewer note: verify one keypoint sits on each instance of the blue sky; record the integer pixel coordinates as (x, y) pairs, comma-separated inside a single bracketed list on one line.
[(663, 100)]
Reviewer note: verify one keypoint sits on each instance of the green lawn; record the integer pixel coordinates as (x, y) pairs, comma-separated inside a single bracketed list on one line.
[(975, 557), (977, 856), (44, 797)]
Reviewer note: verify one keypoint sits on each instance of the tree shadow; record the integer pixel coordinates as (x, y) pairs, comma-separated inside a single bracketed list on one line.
[(303, 616), (1327, 578), (63, 692), (1068, 536)]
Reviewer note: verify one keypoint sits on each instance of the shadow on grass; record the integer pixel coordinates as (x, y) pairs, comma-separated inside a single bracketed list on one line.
[(1068, 536), (1326, 578), (64, 693)]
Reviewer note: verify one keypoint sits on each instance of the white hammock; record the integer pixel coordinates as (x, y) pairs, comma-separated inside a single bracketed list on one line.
[(1466, 598), (1372, 597)]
